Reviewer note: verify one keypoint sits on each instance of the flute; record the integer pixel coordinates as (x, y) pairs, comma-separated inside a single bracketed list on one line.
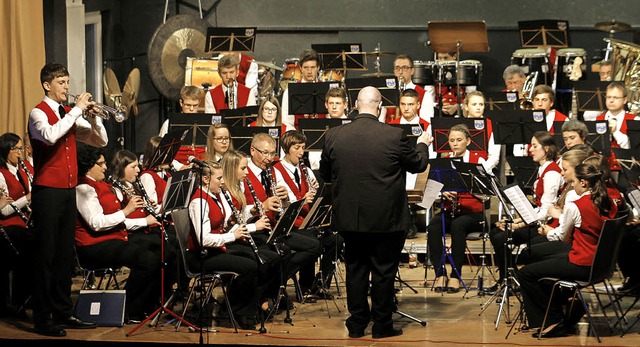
[(238, 214)]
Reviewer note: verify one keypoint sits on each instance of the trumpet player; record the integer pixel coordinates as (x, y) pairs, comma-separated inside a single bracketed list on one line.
[(230, 94), (53, 131), (18, 250)]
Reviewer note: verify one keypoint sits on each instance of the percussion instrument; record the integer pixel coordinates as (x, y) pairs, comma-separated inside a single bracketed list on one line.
[(468, 74), (332, 76), (571, 63), (425, 73), (532, 59), (291, 72), (199, 72), (626, 68)]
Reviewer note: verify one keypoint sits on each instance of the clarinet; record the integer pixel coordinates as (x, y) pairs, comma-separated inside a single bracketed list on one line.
[(303, 168), (17, 209), (6, 237), (130, 194), (148, 205), (257, 202), (273, 186), (24, 168), (238, 214), (232, 94)]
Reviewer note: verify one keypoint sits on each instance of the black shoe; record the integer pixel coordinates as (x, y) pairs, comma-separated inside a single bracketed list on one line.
[(356, 334), (309, 297), (575, 315), (356, 330), (49, 329), (324, 295), (491, 290), (386, 333), (629, 288), (74, 322), (557, 330), (246, 323), (284, 304)]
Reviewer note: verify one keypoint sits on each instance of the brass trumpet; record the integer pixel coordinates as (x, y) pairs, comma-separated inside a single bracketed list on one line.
[(107, 112)]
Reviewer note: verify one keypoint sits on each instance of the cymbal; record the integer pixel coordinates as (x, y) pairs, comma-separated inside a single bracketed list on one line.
[(130, 92), (112, 93), (378, 74), (380, 53), (612, 26), (269, 65)]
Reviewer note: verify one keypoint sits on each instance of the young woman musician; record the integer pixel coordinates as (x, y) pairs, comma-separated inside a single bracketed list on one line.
[(18, 241), (546, 188), (473, 107), (269, 115), (218, 142), (154, 180), (584, 218), (463, 215), (101, 238)]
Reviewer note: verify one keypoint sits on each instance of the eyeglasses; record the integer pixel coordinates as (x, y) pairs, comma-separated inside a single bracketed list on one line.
[(17, 148), (266, 153), (401, 68), (270, 109), (221, 139), (611, 97)]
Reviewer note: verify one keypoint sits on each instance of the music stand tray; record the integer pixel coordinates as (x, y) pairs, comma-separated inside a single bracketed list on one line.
[(285, 224), (197, 124), (221, 40), (241, 116), (499, 101), (388, 87), (242, 136), (598, 137), (308, 98), (315, 129), (167, 148), (516, 126), (341, 56), (544, 33), (477, 128)]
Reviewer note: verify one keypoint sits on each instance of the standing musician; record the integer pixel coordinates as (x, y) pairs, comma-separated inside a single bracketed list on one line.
[(269, 115), (403, 69), (218, 142), (463, 215), (543, 99), (546, 189), (230, 94), (584, 217), (473, 107), (102, 240), (19, 245), (190, 97), (53, 131), (309, 68)]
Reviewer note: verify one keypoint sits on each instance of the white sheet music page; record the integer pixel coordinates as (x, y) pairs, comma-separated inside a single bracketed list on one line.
[(634, 196), (431, 192), (521, 204)]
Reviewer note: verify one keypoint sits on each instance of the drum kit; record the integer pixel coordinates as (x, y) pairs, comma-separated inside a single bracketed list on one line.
[(468, 73)]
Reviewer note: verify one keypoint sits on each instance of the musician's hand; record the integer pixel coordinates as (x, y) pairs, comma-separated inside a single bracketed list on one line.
[(263, 223), (28, 196), (554, 212), (134, 203), (544, 230), (83, 101), (309, 197), (151, 220), (272, 204), (5, 200), (282, 192), (502, 224), (314, 183), (613, 124), (450, 109), (425, 138), (241, 232), (634, 222), (450, 195)]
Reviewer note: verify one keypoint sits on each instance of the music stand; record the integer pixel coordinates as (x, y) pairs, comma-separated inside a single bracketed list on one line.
[(525, 171), (630, 167), (241, 116), (167, 149), (315, 129), (222, 40), (633, 131), (442, 125), (498, 101), (197, 125), (598, 137), (341, 56), (590, 95), (308, 98), (387, 86), (412, 131), (176, 196), (544, 33), (242, 136)]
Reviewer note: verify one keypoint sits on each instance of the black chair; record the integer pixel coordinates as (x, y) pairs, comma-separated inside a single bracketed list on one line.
[(208, 281), (602, 269), (90, 275)]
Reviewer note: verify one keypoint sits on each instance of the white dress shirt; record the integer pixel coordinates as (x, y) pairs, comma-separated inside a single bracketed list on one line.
[(552, 181), (21, 202), (209, 107), (92, 213)]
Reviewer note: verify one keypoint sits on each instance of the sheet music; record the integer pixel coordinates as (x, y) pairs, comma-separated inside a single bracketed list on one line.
[(521, 204), (431, 192), (634, 196)]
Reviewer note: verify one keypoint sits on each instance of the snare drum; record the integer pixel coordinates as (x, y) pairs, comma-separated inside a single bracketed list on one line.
[(469, 72), (425, 73), (199, 71), (290, 72), (532, 59), (332, 76), (571, 65)]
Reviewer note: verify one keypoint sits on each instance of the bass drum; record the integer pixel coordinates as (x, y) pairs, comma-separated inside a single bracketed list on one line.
[(290, 73), (533, 59), (469, 73), (200, 72), (571, 65), (332, 76), (425, 73)]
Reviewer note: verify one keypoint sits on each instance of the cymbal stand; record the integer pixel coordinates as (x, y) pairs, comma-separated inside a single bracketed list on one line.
[(458, 101)]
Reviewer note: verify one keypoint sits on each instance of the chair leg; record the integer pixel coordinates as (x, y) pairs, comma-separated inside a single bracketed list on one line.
[(546, 313), (224, 285), (186, 303), (592, 327)]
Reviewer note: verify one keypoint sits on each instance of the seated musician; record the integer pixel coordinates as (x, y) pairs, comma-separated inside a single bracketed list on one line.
[(189, 100), (230, 94), (409, 105), (514, 77), (473, 107), (309, 68), (462, 215), (15, 187), (218, 142), (403, 69), (336, 104), (543, 99), (208, 220), (448, 94), (269, 115), (101, 238), (606, 71), (301, 184), (584, 217), (261, 174), (545, 189), (574, 132)]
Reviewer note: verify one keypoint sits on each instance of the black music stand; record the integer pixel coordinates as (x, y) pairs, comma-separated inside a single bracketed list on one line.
[(630, 168), (222, 40), (633, 131), (442, 125), (498, 101), (544, 33), (241, 116), (308, 98), (598, 137), (341, 56), (525, 171), (590, 96), (197, 125), (242, 136), (387, 86), (413, 131), (167, 149), (315, 129)]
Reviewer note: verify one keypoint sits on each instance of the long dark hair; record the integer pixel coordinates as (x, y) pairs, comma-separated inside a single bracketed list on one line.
[(546, 140), (594, 177), (7, 142), (121, 159)]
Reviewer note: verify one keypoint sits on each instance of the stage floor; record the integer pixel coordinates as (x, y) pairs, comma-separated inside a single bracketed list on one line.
[(452, 319)]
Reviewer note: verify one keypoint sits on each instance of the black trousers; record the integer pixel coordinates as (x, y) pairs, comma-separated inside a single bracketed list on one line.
[(629, 255), (143, 283), (536, 295), (20, 265), (297, 250), (54, 216), (269, 273), (331, 246), (525, 235), (457, 229), (153, 242), (375, 255)]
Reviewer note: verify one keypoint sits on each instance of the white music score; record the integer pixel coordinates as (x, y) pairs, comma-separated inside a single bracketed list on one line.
[(521, 204)]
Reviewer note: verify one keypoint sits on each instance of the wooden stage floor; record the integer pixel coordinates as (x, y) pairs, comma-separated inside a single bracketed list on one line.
[(452, 320)]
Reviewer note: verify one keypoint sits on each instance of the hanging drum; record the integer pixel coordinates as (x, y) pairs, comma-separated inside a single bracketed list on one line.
[(425, 73), (468, 74)]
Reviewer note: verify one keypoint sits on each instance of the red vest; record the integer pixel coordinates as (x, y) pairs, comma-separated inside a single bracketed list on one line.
[(283, 127), (391, 111), (585, 238), (159, 182), (558, 117), (243, 68), (55, 165), (15, 191), (217, 96), (216, 218), (613, 162), (298, 192), (110, 203), (468, 203), (538, 188), (185, 151)]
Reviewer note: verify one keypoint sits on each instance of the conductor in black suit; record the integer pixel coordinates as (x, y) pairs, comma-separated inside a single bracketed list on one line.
[(366, 162)]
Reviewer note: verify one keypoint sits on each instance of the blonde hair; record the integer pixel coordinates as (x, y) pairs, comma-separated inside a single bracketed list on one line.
[(230, 163), (210, 153)]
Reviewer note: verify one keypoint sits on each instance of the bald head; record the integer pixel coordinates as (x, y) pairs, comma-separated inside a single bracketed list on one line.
[(369, 100)]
